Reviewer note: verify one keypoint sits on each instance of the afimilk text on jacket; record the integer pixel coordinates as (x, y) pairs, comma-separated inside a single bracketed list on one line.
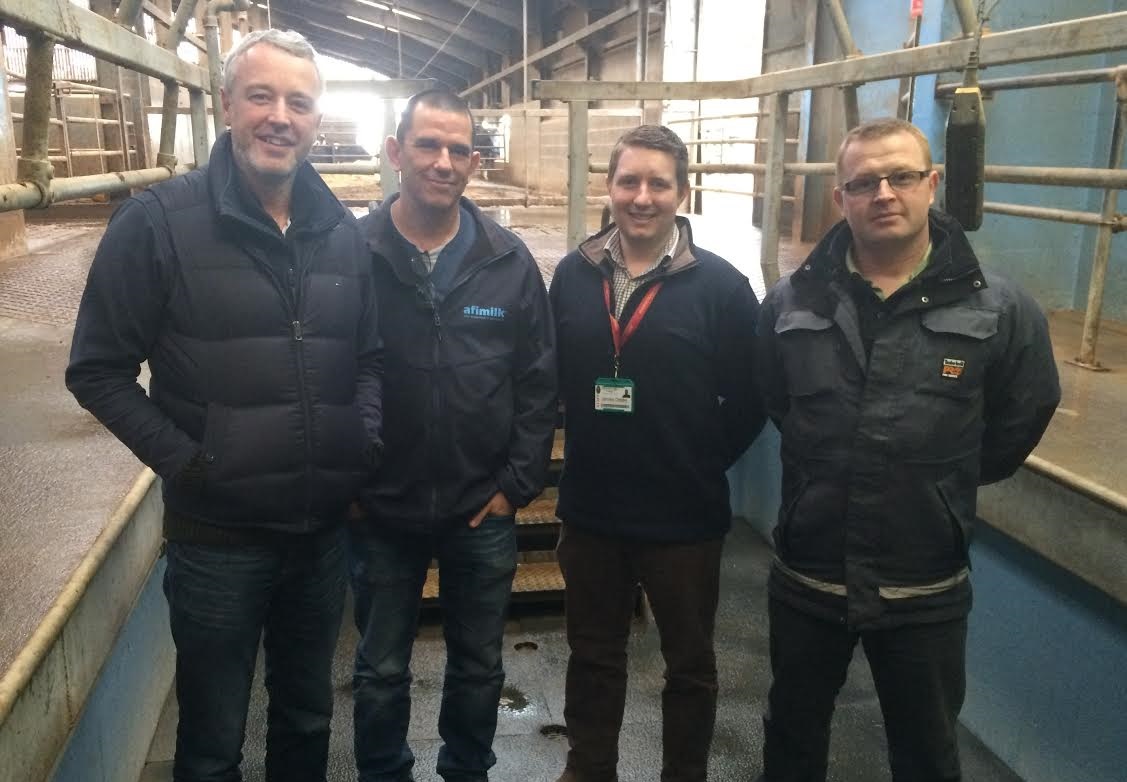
[(263, 349), (657, 474), (882, 458), (470, 378)]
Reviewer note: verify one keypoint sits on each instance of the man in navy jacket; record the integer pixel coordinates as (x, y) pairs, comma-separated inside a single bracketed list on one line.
[(470, 403), (656, 340), (245, 286)]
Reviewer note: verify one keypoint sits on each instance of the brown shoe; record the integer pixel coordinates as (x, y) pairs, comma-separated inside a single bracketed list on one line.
[(568, 775)]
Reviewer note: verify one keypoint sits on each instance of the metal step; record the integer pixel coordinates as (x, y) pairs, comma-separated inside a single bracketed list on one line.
[(534, 581)]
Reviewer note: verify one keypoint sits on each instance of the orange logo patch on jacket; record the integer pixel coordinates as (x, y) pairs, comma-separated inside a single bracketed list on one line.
[(953, 368)]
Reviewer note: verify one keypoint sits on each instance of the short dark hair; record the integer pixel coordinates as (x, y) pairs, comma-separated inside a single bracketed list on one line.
[(436, 98), (656, 137), (881, 128)]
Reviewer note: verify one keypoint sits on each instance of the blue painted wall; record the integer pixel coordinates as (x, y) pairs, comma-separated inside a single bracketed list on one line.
[(1046, 656), (112, 734), (1054, 126)]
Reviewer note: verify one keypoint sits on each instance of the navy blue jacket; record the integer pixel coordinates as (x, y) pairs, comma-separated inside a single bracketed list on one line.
[(470, 380), (263, 348), (882, 458), (657, 474)]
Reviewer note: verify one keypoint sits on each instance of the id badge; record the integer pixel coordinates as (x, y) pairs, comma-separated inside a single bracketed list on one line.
[(614, 395)]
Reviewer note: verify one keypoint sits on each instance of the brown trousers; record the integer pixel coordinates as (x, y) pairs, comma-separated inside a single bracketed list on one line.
[(682, 582)]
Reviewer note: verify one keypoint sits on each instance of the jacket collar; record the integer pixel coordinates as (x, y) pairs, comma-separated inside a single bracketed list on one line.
[(385, 241), (593, 249), (952, 273), (313, 209)]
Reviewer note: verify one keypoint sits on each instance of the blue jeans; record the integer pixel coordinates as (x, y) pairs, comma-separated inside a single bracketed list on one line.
[(222, 600), (476, 568)]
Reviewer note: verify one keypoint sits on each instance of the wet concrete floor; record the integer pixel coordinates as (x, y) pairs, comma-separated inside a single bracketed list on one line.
[(530, 744)]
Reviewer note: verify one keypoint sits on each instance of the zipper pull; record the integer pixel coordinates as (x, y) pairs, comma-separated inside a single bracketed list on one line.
[(437, 324), (296, 326)]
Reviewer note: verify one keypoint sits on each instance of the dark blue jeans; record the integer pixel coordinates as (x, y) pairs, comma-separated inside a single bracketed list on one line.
[(476, 568), (222, 600), (919, 673)]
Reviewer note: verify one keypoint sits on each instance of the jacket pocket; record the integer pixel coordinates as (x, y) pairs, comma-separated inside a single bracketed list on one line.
[(955, 352), (809, 349)]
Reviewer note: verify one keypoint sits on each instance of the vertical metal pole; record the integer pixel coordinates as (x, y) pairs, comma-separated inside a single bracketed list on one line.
[(577, 169), (61, 115), (1087, 357), (198, 107), (33, 164), (524, 99), (773, 188), (851, 106), (641, 50), (122, 129), (389, 177), (214, 68), (169, 117), (968, 20)]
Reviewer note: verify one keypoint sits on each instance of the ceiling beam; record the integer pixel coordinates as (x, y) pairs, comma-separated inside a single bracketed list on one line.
[(379, 57), (495, 11), (579, 35), (415, 54), (425, 33), (452, 19)]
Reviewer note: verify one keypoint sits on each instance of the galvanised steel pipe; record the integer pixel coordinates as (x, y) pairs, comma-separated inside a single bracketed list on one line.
[(169, 116), (214, 61), (1060, 79), (1087, 357), (33, 164), (1117, 223), (28, 195)]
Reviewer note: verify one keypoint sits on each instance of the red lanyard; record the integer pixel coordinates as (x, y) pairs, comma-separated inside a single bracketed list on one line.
[(618, 335)]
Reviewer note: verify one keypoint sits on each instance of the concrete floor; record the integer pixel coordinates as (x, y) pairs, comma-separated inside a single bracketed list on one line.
[(535, 659)]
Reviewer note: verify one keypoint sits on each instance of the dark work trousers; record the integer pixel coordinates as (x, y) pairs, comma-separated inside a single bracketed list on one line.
[(682, 582), (920, 676)]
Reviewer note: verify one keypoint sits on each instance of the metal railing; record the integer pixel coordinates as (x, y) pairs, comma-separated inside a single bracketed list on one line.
[(1090, 35)]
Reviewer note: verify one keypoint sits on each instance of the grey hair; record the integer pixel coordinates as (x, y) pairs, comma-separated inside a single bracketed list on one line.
[(287, 40)]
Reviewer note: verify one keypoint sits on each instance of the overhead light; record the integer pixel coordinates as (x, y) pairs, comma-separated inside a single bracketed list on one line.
[(371, 23), (407, 14), (380, 6)]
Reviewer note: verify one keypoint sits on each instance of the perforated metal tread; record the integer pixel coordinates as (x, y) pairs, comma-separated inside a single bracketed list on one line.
[(532, 579), (541, 511)]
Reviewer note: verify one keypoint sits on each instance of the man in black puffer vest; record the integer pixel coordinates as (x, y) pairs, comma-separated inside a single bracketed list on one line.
[(246, 287)]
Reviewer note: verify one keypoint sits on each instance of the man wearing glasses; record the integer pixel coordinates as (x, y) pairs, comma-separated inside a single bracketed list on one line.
[(469, 415), (902, 376)]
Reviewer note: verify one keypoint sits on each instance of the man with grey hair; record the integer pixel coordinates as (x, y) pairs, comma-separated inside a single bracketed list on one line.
[(245, 285)]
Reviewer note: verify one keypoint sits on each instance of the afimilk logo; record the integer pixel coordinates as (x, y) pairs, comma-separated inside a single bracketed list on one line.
[(484, 313)]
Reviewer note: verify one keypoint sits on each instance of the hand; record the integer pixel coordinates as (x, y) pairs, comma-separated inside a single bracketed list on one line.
[(498, 505)]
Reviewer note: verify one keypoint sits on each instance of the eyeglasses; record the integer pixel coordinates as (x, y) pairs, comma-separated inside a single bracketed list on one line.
[(897, 180)]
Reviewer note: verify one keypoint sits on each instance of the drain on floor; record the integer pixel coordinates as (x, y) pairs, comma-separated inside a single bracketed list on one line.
[(553, 731), (526, 646)]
